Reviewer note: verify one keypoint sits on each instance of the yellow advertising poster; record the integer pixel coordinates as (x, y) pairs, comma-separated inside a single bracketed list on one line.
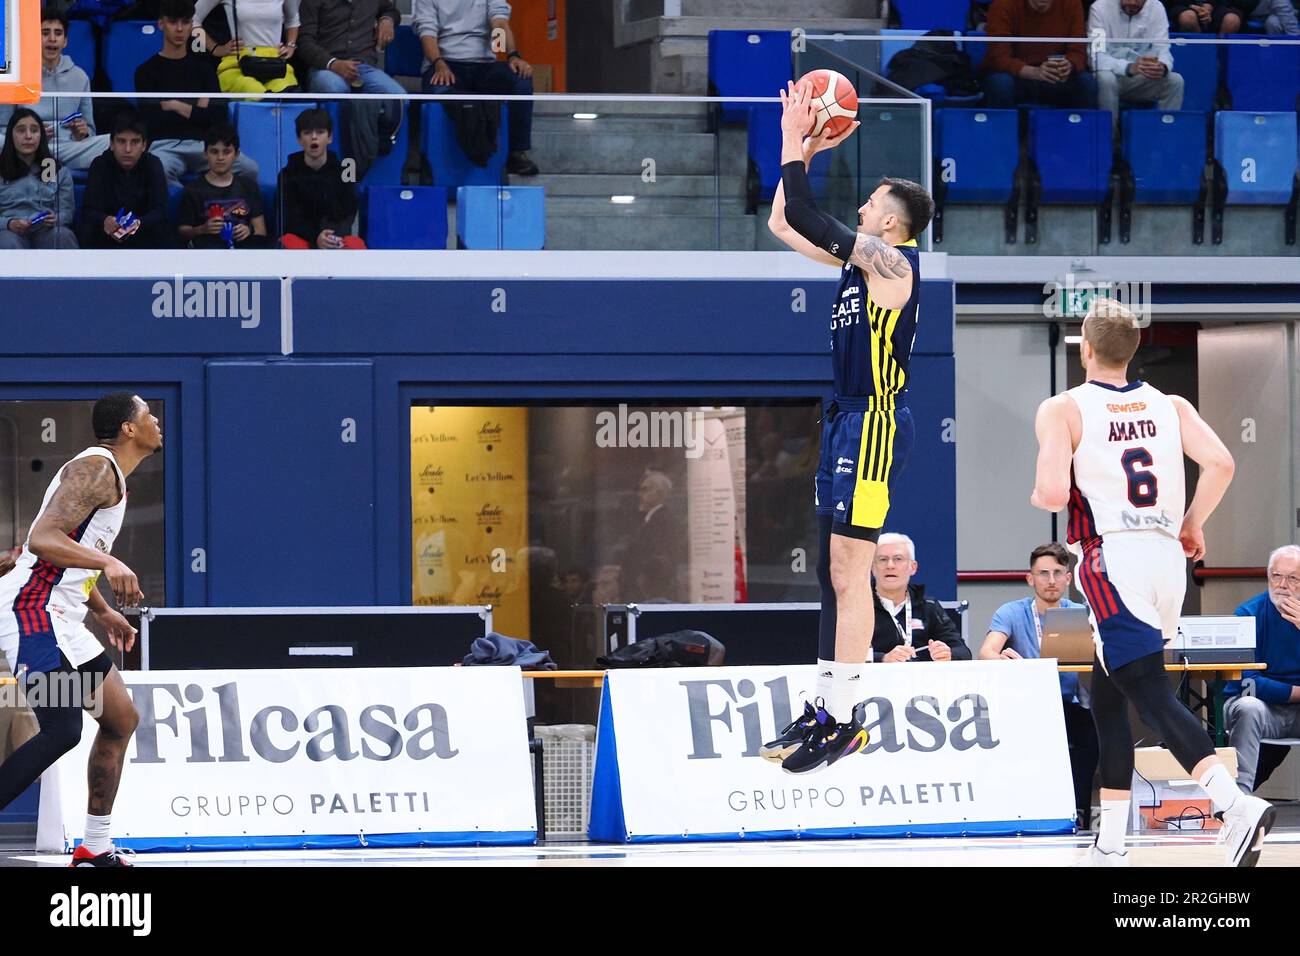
[(469, 510)]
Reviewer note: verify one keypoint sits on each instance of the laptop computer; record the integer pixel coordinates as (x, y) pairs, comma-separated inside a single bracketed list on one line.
[(1067, 635)]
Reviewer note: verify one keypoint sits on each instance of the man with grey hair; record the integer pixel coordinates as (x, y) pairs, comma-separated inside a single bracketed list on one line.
[(908, 626), (1268, 705), (657, 547)]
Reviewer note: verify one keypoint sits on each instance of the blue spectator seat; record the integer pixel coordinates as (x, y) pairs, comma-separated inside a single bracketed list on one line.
[(1198, 64), (447, 160), (923, 15), (1165, 155), (764, 150), (748, 63), (405, 217), (1072, 151), (404, 56), (81, 46), (888, 47), (174, 203), (266, 133), (1262, 78), (977, 155), (975, 49), (78, 196), (1070, 162), (1257, 155), (128, 44), (500, 217)]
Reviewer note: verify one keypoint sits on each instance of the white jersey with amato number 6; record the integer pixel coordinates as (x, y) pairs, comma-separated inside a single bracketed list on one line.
[(1127, 474), (42, 606)]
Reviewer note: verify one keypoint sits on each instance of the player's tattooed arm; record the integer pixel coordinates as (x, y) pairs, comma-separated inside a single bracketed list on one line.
[(876, 257), (86, 484)]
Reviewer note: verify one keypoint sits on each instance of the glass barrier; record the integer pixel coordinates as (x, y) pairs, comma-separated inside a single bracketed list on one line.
[(1066, 145)]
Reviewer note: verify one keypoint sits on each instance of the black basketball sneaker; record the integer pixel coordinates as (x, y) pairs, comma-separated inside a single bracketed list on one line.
[(793, 735), (825, 743)]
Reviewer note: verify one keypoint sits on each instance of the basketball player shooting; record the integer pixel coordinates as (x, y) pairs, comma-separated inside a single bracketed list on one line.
[(1112, 451), (867, 429), (45, 599)]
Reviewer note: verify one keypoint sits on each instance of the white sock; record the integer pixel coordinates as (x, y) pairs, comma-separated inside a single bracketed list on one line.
[(1218, 783), (96, 839), (823, 691), (1114, 826), (846, 690)]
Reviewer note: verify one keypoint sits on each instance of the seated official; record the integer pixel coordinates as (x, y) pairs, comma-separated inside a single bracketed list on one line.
[(1268, 704), (1016, 632), (908, 626)]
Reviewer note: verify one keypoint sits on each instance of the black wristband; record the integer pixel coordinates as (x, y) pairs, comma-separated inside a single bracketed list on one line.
[(513, 55)]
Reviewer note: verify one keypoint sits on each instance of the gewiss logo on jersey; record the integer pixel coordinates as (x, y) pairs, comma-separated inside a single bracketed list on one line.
[(207, 725), (209, 299), (733, 718)]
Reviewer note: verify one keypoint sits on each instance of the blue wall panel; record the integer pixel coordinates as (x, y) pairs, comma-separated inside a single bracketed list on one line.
[(290, 503)]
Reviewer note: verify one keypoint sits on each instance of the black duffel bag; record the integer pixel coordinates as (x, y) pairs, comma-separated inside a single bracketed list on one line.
[(678, 649)]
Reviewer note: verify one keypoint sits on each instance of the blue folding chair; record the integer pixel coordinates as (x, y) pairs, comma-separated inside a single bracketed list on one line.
[(1165, 155), (923, 15), (267, 134), (1198, 65), (81, 46), (747, 63), (1070, 162), (404, 56), (405, 217), (500, 217), (976, 156), (128, 44), (1255, 165), (1262, 78), (448, 162)]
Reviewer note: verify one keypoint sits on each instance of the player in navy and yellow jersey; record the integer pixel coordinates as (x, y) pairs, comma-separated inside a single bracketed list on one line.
[(867, 429)]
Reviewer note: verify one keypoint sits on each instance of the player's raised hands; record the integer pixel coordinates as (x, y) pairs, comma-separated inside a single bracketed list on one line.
[(796, 110)]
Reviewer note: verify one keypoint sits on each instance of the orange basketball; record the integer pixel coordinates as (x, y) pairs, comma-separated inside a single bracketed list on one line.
[(835, 100)]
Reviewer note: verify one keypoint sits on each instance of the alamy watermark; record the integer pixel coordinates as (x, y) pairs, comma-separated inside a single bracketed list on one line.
[(54, 689), (680, 428), (209, 299), (1070, 299)]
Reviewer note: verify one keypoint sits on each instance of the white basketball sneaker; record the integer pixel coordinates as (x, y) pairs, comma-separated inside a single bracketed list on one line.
[(1245, 824)]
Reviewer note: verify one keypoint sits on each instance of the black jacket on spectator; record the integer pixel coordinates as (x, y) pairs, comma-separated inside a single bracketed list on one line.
[(197, 73), (141, 190), (937, 626), (312, 200), (341, 28)]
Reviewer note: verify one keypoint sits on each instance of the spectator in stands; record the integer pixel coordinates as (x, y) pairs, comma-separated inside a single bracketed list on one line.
[(1015, 632), (909, 627), (36, 199), (1135, 62), (1222, 16), (221, 209), (69, 120), (318, 203), (578, 586), (1038, 74), (177, 126), (268, 31), (657, 546), (338, 40), (460, 57), (1268, 704), (125, 205), (1279, 16)]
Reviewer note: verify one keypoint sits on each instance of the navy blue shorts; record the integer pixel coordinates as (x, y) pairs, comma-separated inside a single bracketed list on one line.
[(863, 451)]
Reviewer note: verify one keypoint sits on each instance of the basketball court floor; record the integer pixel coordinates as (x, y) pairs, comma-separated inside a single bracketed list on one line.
[(1282, 849)]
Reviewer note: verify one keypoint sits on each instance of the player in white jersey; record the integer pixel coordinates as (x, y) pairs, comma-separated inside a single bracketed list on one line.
[(1112, 451), (44, 600)]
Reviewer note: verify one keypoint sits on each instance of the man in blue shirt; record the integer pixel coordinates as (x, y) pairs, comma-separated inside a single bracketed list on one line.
[(1268, 704), (1016, 632)]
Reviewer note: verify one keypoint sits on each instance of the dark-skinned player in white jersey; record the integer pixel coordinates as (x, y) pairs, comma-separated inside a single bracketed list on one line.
[(867, 429)]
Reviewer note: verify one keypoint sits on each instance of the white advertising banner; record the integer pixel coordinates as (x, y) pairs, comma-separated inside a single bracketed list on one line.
[(242, 759), (958, 747)]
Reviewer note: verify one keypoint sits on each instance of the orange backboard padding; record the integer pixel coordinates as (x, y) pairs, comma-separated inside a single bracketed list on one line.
[(26, 86)]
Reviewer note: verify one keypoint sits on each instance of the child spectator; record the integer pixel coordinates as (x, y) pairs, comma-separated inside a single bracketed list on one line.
[(125, 205), (36, 199), (221, 209), (317, 202)]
